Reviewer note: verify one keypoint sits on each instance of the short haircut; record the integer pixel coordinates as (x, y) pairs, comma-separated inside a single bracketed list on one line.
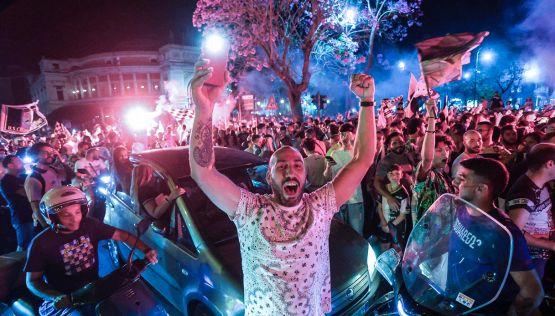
[(308, 144), (347, 127), (539, 155), (492, 171), (444, 139), (34, 150), (413, 124), (458, 129), (507, 128), (394, 167), (255, 137), (390, 137), (7, 160), (507, 119), (488, 123)]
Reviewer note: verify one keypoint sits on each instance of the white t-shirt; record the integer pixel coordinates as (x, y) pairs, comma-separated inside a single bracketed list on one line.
[(285, 253)]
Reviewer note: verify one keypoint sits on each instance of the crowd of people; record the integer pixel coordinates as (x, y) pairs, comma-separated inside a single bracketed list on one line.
[(389, 168)]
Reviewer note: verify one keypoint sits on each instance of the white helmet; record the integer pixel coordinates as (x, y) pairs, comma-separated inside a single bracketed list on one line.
[(56, 199)]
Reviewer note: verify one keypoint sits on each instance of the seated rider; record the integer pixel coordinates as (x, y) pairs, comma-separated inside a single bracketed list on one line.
[(64, 257)]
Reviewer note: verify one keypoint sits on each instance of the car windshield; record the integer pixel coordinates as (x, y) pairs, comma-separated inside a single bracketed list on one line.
[(213, 224)]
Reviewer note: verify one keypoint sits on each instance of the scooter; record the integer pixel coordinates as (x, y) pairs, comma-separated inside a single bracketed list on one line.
[(119, 293), (446, 269)]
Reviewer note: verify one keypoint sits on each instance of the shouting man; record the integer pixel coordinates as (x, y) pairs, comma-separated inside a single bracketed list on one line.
[(284, 236)]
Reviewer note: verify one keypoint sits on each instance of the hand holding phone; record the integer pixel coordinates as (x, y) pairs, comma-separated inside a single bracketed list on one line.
[(216, 49)]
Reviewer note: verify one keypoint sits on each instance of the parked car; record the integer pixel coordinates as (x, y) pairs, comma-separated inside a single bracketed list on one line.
[(199, 270)]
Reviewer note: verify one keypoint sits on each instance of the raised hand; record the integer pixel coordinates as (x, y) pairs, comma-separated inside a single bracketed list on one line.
[(431, 107), (362, 86)]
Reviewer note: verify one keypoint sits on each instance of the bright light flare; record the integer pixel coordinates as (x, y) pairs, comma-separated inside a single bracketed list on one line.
[(488, 56), (27, 159), (351, 15), (531, 72), (466, 75), (402, 65), (106, 179), (214, 43), (139, 119)]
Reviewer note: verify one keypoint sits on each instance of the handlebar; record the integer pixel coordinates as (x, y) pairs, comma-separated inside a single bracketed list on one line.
[(103, 288)]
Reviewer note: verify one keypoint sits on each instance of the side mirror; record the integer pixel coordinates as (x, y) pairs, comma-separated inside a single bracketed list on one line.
[(142, 226), (387, 264)]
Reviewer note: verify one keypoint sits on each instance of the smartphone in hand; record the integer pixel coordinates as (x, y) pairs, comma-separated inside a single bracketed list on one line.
[(216, 50)]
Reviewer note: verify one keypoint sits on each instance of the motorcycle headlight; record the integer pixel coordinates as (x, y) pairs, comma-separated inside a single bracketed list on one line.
[(103, 190), (106, 179)]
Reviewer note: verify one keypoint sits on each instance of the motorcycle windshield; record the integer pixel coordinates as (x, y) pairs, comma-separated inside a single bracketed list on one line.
[(457, 257)]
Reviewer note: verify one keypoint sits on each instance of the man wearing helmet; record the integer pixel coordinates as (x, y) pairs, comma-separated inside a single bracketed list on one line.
[(64, 257)]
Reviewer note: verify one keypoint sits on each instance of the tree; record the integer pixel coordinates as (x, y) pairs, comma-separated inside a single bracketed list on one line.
[(389, 19), (509, 77), (284, 35)]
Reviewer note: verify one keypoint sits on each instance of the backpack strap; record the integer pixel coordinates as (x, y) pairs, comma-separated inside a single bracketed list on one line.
[(38, 176)]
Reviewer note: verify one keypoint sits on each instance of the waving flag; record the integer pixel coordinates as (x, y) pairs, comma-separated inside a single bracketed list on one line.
[(441, 58), (182, 115), (21, 119)]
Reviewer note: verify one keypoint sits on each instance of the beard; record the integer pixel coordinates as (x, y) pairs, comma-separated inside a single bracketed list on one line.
[(474, 150), (399, 150)]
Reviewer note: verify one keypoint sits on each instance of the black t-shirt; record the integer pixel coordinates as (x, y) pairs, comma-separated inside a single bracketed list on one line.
[(13, 191), (537, 201), (69, 261), (467, 238)]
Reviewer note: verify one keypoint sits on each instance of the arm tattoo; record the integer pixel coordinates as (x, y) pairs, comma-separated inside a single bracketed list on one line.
[(203, 149)]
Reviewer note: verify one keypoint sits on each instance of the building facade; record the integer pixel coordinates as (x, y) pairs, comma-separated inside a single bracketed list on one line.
[(115, 80)]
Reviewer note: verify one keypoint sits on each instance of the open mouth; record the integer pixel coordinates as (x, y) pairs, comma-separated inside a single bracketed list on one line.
[(290, 187)]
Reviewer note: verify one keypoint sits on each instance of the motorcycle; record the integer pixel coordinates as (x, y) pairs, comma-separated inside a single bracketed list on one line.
[(121, 292), (445, 268)]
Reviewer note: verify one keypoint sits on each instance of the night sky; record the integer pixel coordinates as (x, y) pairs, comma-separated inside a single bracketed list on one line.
[(30, 29)]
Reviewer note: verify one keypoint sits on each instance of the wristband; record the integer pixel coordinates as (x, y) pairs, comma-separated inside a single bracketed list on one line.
[(431, 117), (367, 104), (430, 132)]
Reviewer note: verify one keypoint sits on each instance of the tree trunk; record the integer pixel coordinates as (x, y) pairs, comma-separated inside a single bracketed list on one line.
[(294, 95), (370, 50)]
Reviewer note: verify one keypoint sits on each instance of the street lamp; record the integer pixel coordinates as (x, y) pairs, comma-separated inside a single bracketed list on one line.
[(487, 57)]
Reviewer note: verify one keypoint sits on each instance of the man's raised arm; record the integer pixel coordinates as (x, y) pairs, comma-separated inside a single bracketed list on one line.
[(217, 187), (349, 178)]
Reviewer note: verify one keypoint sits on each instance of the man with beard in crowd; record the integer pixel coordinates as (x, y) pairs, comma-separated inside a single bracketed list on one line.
[(395, 143), (509, 138), (529, 204), (49, 172), (472, 141), (286, 230)]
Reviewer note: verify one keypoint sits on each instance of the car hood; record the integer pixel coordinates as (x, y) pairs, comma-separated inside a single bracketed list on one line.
[(348, 255)]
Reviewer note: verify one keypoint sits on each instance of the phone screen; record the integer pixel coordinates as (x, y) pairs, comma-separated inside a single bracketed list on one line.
[(216, 50)]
